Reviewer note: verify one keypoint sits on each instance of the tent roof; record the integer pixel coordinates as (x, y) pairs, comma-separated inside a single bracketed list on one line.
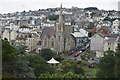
[(53, 61)]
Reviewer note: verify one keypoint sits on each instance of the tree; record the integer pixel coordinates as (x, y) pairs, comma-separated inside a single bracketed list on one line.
[(53, 17), (66, 65), (78, 70), (9, 55), (71, 75), (39, 64), (48, 75), (13, 64), (20, 48), (8, 52), (118, 61), (47, 54), (91, 8), (22, 68), (107, 66)]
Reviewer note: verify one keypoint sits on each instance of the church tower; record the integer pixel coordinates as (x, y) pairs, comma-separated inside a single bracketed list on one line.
[(60, 26), (59, 32)]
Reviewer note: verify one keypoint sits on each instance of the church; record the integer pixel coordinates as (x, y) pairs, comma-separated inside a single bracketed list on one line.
[(57, 38)]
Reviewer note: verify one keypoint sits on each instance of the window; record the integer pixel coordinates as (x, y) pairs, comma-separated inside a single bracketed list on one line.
[(109, 44), (59, 38), (39, 43), (52, 42), (109, 48), (45, 42)]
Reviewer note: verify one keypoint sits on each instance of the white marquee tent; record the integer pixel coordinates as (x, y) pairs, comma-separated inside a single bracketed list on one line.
[(53, 61)]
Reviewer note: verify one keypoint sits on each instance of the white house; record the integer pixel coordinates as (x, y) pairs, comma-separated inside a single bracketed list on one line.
[(111, 43), (9, 34), (97, 44), (25, 29), (115, 27)]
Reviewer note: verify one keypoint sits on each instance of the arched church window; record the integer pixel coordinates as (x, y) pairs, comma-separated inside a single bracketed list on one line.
[(45, 42), (39, 43)]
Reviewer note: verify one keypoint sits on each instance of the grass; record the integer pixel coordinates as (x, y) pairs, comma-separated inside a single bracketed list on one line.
[(93, 71)]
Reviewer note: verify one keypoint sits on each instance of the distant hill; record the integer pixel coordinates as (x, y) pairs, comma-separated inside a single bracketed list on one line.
[(91, 8)]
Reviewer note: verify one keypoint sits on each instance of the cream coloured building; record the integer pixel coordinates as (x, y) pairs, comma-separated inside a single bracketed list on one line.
[(28, 39), (111, 43), (9, 34)]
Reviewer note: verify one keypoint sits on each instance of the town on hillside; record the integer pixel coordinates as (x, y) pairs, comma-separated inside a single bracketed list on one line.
[(75, 34)]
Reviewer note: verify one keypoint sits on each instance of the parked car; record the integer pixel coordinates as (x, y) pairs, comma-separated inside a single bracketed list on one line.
[(71, 52), (76, 55)]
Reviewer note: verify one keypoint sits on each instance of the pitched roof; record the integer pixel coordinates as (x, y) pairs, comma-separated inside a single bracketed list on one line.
[(48, 31), (104, 31), (78, 34), (25, 27)]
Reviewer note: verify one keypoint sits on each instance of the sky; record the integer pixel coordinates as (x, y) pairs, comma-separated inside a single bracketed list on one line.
[(9, 6)]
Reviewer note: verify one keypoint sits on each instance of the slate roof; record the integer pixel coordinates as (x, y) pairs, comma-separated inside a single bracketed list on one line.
[(67, 31), (48, 31), (78, 34)]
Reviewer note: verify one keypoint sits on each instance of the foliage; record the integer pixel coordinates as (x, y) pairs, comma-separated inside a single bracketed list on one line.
[(84, 62), (111, 20), (106, 65), (59, 58), (71, 75), (53, 17), (64, 52), (22, 68), (47, 54), (78, 70), (20, 48), (91, 8), (118, 61), (9, 55), (66, 65), (39, 64), (8, 52), (48, 75)]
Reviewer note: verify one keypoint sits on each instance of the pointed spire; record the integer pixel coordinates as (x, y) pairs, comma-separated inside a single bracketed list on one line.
[(60, 22), (61, 5), (60, 15)]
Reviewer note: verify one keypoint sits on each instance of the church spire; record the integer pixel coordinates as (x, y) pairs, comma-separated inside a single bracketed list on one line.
[(61, 22), (60, 15)]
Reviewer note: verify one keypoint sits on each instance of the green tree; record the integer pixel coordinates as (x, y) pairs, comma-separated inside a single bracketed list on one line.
[(39, 64), (53, 17), (22, 68), (66, 65), (71, 75), (9, 55), (78, 70), (118, 61), (107, 66), (48, 75), (8, 52), (20, 48), (47, 54)]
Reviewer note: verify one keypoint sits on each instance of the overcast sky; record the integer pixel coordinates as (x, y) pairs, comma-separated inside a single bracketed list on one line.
[(8, 6)]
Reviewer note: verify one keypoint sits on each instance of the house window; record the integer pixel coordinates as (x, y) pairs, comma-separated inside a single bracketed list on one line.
[(59, 38), (52, 42), (109, 44)]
